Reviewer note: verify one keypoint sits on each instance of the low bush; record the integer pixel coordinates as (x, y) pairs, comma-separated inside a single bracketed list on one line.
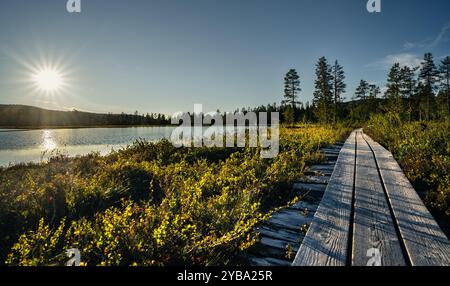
[(150, 203)]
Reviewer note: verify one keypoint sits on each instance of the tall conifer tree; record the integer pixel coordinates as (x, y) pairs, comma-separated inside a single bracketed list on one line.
[(323, 91), (339, 87)]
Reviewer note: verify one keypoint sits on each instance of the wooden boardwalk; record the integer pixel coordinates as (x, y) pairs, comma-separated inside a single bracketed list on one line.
[(280, 237), (371, 215)]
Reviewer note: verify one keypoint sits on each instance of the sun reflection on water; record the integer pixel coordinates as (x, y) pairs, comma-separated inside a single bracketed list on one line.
[(48, 141)]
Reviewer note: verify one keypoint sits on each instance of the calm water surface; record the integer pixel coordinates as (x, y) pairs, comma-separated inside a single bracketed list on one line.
[(17, 146)]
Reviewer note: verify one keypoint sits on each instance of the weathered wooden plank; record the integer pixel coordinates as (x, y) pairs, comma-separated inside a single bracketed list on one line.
[(310, 187), (279, 244), (308, 203), (288, 219), (326, 242), (315, 179), (326, 170), (285, 235), (373, 224), (424, 241)]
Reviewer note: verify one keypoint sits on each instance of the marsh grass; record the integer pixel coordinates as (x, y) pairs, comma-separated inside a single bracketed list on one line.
[(422, 150), (150, 203)]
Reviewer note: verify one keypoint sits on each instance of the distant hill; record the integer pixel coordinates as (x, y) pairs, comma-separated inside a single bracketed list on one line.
[(22, 116)]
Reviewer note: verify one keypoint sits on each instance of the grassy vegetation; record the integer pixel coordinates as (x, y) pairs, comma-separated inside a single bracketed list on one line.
[(423, 151), (151, 204)]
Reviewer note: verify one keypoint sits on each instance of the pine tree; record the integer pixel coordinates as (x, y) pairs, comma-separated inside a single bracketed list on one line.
[(323, 91), (291, 91), (393, 92), (291, 88), (339, 87), (428, 77), (444, 70)]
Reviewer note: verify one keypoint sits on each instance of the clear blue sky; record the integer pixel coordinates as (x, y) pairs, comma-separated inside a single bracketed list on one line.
[(167, 55)]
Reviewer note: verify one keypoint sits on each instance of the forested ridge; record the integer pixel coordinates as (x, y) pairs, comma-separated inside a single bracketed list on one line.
[(22, 116)]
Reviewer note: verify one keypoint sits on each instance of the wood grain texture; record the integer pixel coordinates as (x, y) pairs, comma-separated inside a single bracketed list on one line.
[(425, 242), (326, 241), (388, 214), (373, 223)]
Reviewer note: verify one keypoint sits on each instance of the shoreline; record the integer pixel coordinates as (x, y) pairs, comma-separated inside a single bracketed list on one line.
[(30, 128)]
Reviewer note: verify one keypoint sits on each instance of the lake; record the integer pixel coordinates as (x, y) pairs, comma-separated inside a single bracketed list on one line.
[(21, 146)]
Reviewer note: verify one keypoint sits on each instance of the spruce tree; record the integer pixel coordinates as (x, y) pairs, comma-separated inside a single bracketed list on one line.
[(428, 77), (323, 91), (393, 92), (408, 87), (339, 87)]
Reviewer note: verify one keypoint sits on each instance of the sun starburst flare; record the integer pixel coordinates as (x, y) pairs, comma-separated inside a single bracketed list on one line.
[(48, 80)]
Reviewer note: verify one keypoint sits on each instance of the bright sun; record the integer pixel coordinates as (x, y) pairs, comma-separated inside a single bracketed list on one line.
[(48, 80)]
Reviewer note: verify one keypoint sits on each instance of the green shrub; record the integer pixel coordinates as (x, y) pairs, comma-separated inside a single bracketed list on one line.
[(150, 203), (423, 151)]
